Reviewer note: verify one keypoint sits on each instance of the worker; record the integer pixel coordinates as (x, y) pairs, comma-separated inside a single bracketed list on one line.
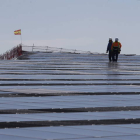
[(116, 48), (109, 49)]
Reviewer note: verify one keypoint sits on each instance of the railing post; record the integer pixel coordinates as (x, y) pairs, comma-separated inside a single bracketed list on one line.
[(47, 48), (32, 47), (61, 50)]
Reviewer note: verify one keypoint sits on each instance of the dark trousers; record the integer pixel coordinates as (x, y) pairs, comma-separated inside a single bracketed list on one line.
[(110, 55), (115, 56)]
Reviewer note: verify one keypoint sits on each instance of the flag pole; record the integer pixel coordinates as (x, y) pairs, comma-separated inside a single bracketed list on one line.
[(18, 32), (21, 37)]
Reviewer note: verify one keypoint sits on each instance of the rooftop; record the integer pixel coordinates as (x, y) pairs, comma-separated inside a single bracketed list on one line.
[(69, 96)]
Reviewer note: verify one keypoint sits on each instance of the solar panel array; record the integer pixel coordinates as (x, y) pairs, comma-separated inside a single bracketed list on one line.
[(69, 96)]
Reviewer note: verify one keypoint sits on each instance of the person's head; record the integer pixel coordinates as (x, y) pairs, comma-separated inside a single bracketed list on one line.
[(116, 39), (110, 40)]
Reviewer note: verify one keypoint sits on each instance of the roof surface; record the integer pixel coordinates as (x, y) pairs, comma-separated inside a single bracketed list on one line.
[(70, 96)]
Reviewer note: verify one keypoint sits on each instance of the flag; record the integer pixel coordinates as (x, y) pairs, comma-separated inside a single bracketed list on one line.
[(17, 32)]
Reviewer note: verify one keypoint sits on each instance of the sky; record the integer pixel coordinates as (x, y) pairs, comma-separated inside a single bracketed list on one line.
[(72, 24)]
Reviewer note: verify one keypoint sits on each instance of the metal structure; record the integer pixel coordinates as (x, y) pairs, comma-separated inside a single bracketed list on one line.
[(64, 95), (55, 49)]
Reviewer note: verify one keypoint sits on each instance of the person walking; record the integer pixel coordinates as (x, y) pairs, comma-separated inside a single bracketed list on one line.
[(109, 49), (116, 48)]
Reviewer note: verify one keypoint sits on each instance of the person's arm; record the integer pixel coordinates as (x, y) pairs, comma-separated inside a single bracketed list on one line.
[(112, 47), (107, 48), (120, 45)]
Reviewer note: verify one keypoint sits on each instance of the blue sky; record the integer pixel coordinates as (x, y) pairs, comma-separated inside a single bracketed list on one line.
[(72, 24)]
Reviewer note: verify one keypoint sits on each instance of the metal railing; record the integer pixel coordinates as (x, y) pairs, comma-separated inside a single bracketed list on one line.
[(11, 54), (55, 49)]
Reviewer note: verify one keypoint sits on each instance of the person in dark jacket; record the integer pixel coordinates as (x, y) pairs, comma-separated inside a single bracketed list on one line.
[(109, 49)]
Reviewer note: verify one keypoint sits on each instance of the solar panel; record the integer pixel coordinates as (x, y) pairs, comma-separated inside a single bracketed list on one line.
[(69, 96)]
